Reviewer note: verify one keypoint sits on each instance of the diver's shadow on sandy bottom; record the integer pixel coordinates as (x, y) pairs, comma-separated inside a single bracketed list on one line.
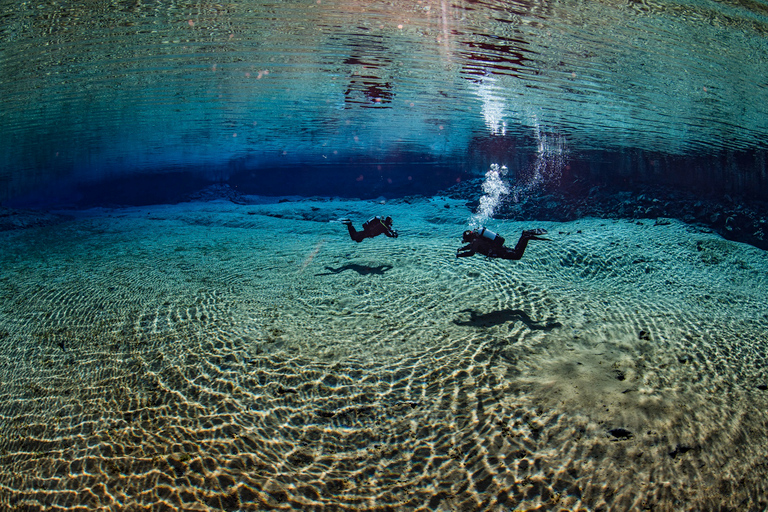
[(503, 316), (363, 270)]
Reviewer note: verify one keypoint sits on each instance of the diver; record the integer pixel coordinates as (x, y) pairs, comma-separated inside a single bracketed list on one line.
[(373, 227), (488, 243)]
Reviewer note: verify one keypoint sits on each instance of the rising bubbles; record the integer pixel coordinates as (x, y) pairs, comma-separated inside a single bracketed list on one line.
[(494, 188)]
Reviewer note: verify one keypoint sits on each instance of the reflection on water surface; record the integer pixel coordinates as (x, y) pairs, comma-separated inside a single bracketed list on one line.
[(147, 85)]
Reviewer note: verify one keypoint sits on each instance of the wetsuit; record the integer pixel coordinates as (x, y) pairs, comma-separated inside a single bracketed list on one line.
[(374, 227), (491, 245)]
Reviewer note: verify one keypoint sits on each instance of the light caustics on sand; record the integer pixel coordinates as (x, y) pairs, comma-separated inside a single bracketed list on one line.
[(311, 256)]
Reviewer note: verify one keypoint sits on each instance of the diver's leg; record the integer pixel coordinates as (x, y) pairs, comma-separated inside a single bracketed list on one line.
[(535, 234), (517, 252), (355, 235)]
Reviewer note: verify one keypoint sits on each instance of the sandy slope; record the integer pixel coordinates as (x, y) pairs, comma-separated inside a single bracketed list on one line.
[(253, 357)]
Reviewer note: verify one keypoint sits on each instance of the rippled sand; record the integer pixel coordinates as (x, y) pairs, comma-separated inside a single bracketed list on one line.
[(213, 356)]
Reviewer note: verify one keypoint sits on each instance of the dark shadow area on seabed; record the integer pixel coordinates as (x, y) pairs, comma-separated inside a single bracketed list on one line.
[(363, 270), (503, 316)]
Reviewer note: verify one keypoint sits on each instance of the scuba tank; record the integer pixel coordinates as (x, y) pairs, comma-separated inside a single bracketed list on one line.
[(490, 235), (370, 221)]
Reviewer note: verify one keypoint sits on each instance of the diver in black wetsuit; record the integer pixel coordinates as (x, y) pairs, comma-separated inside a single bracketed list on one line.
[(490, 244), (373, 227)]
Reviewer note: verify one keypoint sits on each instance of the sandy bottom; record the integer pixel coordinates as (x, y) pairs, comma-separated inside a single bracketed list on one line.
[(213, 356)]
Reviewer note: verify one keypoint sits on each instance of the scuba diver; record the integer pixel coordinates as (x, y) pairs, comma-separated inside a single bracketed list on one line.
[(490, 244), (373, 227)]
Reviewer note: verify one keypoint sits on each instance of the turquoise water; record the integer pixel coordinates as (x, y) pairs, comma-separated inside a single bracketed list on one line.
[(185, 323)]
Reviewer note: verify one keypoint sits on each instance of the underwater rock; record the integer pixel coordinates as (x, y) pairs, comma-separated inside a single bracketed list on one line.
[(680, 449), (621, 434), (215, 192), (410, 200), (22, 219), (740, 220)]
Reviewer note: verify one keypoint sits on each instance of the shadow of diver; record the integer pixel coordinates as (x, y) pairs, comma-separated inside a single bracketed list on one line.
[(363, 270), (503, 316)]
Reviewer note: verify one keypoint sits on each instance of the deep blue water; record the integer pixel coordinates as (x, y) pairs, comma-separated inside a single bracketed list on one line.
[(137, 103)]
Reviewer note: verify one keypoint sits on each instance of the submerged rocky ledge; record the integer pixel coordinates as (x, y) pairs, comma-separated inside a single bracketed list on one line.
[(19, 219), (736, 219), (733, 218)]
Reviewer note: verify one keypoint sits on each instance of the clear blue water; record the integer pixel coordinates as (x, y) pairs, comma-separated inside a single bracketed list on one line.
[(185, 323), (242, 90)]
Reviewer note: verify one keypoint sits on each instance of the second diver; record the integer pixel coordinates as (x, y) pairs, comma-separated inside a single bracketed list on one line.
[(488, 243), (373, 227)]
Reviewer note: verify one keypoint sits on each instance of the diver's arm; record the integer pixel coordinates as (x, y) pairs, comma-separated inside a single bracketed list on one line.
[(465, 251), (391, 233)]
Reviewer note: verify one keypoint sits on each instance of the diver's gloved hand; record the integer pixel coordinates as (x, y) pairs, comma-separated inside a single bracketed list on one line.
[(395, 234), (535, 234)]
